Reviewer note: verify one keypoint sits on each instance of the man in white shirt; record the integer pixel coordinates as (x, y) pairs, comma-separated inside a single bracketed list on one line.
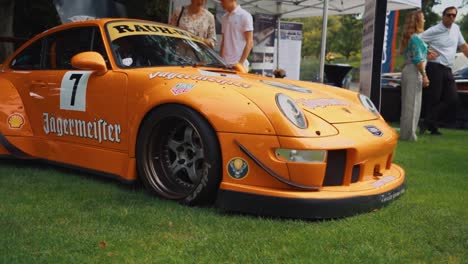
[(444, 39), (237, 33)]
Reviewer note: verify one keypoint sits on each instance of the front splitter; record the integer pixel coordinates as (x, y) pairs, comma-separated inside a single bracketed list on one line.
[(262, 205)]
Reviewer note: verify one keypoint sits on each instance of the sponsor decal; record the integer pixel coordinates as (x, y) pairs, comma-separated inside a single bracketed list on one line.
[(73, 90), (15, 121), (391, 196), (181, 88), (182, 76), (374, 131), (383, 181), (238, 168), (99, 130), (321, 103), (127, 28)]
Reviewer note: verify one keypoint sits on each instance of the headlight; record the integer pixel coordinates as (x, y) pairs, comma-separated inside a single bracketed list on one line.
[(291, 110), (293, 155), (367, 103)]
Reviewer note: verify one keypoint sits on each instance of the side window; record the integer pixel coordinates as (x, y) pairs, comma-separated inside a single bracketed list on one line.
[(29, 58), (98, 46), (62, 46)]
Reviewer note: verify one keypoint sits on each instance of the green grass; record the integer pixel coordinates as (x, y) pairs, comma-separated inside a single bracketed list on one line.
[(54, 215)]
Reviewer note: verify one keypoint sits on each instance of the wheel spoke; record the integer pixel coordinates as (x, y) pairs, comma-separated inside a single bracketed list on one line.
[(199, 155), (175, 167), (173, 144), (188, 135), (192, 173)]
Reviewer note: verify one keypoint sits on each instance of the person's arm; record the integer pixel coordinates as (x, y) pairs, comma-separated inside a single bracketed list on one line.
[(422, 69), (211, 40), (464, 49), (418, 49), (248, 35)]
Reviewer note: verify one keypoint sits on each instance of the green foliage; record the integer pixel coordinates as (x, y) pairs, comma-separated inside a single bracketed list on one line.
[(33, 17), (312, 33), (463, 23), (430, 17), (344, 34), (348, 39), (155, 10), (54, 215)]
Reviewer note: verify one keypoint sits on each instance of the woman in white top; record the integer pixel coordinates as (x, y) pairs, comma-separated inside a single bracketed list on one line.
[(196, 19)]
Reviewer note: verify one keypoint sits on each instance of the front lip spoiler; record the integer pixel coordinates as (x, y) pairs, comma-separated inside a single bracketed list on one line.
[(274, 174), (304, 208)]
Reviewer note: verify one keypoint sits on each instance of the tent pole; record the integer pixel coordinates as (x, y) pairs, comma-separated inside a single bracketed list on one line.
[(278, 44), (278, 24), (323, 41)]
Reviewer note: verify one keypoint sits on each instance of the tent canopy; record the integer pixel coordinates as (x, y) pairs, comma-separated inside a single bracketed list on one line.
[(307, 8)]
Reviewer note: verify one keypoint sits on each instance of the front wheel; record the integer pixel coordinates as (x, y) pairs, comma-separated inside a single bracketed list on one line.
[(178, 155)]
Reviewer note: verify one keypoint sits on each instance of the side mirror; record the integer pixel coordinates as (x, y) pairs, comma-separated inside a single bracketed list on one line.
[(89, 60), (239, 67)]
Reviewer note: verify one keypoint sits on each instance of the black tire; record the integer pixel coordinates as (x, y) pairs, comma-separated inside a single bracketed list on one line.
[(178, 155)]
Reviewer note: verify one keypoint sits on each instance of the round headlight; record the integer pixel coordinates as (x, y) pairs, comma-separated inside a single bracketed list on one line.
[(291, 110), (367, 103)]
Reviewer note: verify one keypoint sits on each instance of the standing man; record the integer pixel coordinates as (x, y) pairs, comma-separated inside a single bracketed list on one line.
[(237, 33), (443, 38)]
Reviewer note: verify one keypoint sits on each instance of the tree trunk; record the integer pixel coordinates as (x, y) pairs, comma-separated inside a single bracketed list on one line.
[(6, 27)]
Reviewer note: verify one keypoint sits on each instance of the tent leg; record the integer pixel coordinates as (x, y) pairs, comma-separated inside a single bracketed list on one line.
[(323, 44)]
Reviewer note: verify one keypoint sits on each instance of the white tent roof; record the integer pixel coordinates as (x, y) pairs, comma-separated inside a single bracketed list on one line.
[(307, 8)]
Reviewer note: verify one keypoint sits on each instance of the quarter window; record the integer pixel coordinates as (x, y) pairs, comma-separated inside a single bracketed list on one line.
[(29, 58)]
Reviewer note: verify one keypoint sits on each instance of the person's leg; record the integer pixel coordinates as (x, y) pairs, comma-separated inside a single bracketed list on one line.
[(432, 94), (409, 86), (449, 98)]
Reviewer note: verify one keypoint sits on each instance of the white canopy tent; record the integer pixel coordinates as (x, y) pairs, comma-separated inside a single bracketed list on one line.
[(307, 8)]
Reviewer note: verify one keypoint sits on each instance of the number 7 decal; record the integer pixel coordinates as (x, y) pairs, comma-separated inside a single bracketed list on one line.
[(73, 90)]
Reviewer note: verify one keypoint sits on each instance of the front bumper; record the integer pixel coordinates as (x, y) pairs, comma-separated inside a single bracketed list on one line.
[(357, 176), (305, 208)]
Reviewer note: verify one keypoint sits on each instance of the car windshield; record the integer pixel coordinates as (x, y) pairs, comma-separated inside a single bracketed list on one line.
[(136, 45)]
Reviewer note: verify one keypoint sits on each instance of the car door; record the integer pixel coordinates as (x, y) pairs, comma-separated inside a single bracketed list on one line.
[(78, 106)]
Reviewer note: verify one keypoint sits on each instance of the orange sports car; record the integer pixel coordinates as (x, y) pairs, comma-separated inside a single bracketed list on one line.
[(135, 99)]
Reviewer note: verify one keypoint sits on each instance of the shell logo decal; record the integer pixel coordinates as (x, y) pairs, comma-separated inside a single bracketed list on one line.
[(238, 168), (15, 121)]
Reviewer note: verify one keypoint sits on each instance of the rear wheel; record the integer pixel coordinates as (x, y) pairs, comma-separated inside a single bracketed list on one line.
[(178, 155)]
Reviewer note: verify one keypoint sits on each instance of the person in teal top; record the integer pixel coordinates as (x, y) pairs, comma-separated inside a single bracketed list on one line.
[(416, 51), (413, 76)]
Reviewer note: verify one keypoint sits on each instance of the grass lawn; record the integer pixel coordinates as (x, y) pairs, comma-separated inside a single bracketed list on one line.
[(54, 215)]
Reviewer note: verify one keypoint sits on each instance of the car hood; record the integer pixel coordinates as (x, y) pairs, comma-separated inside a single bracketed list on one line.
[(332, 104)]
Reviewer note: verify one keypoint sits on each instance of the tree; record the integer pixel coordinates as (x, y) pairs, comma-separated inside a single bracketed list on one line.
[(463, 23), (312, 35), (25, 18), (348, 38), (6, 30), (429, 15)]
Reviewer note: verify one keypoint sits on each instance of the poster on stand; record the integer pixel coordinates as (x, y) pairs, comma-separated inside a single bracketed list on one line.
[(262, 55), (289, 51)]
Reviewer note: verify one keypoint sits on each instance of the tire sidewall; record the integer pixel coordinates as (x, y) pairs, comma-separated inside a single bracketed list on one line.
[(205, 191)]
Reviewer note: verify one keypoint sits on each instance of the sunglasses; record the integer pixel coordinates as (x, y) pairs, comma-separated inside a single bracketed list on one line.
[(451, 15)]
